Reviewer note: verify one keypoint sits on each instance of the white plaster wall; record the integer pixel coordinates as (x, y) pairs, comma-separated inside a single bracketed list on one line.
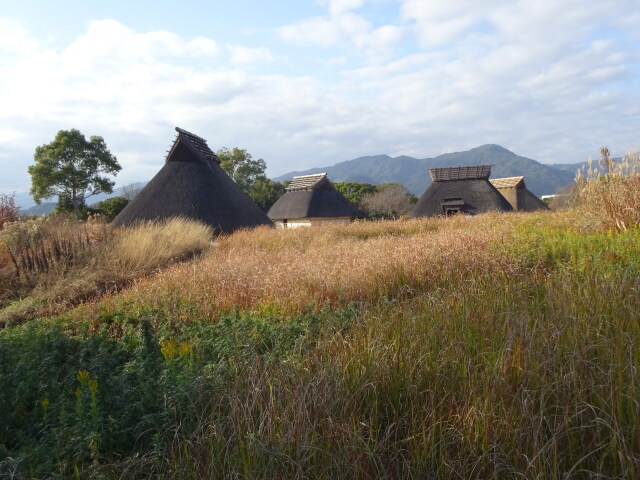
[(309, 222)]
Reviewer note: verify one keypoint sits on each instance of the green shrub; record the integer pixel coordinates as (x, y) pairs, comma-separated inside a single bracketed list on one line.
[(78, 403), (109, 208), (68, 403)]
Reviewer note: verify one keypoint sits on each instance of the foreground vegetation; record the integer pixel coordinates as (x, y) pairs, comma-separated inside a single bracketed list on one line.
[(53, 263), (498, 346)]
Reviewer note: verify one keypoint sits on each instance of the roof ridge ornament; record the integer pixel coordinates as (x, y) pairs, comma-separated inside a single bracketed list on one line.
[(508, 182), (187, 132), (470, 172), (305, 182), (195, 143)]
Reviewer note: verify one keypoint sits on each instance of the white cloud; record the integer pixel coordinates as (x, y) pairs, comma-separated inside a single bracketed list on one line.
[(342, 26), (109, 38), (15, 40), (202, 47), (386, 35), (338, 7), (546, 83), (439, 23), (538, 82), (132, 88), (319, 31), (241, 55)]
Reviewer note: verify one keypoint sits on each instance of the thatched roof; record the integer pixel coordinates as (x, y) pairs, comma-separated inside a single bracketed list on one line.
[(192, 184), (507, 182), (307, 182), (460, 189), (514, 190), (196, 144), (473, 172), (312, 196)]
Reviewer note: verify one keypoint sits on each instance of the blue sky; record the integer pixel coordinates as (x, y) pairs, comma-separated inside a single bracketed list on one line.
[(312, 83)]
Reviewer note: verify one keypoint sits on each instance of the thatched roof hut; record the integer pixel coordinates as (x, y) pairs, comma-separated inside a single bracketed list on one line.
[(464, 190), (191, 184), (309, 200), (517, 194)]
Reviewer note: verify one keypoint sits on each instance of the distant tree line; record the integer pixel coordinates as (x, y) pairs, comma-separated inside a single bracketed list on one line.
[(74, 168), (386, 200)]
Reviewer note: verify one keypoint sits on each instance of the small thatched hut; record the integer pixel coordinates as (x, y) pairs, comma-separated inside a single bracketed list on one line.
[(517, 194), (465, 190), (311, 200), (192, 184)]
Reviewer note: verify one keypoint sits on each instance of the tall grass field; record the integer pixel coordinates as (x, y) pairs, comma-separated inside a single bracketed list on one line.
[(494, 346)]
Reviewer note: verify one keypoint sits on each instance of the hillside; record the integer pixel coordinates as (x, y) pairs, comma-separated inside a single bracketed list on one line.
[(44, 208), (411, 172)]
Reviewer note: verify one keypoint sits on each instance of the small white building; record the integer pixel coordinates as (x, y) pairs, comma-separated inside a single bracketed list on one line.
[(311, 200)]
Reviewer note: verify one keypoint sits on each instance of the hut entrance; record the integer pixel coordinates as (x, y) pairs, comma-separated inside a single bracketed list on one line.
[(449, 212), (452, 206)]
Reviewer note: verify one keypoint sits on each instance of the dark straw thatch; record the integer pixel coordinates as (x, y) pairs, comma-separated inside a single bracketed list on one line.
[(517, 194), (312, 196), (191, 184), (465, 190)]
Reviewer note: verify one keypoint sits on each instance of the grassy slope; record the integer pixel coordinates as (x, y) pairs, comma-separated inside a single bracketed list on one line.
[(499, 345)]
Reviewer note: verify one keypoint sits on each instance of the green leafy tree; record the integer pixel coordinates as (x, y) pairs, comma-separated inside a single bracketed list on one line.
[(73, 169), (65, 206), (249, 175), (354, 190), (242, 167), (265, 192), (110, 207)]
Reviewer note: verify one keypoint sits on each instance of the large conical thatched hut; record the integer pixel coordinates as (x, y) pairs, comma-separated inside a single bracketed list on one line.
[(516, 193), (191, 184), (311, 200), (465, 190)]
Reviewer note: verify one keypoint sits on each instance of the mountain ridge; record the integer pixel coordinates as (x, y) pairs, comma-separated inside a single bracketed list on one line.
[(413, 173), (541, 179)]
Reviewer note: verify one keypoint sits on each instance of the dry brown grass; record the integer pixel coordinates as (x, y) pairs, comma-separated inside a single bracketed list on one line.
[(610, 193), (127, 255), (35, 249), (294, 270), (107, 263), (153, 244), (497, 346), (36, 246)]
